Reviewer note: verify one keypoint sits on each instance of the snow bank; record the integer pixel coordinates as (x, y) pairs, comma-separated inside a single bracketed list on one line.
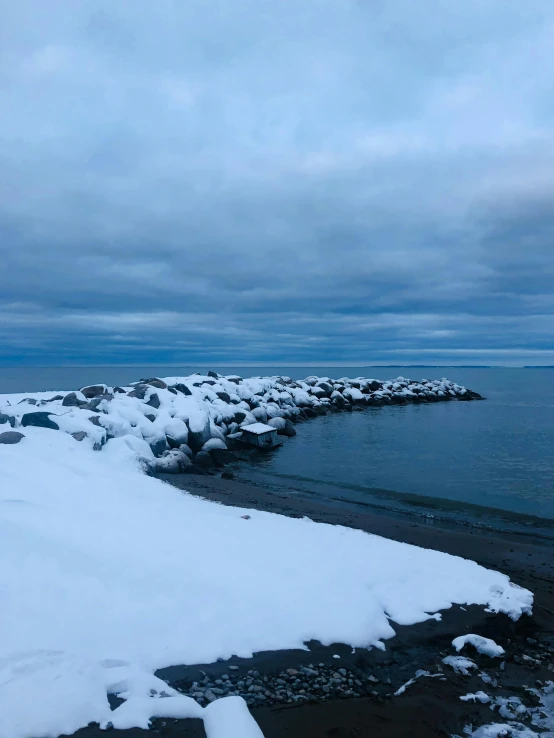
[(107, 574)]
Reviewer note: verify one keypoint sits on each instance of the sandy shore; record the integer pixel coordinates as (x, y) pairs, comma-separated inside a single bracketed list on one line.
[(430, 706)]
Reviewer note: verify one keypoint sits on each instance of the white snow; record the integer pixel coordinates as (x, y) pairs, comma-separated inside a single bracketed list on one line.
[(257, 428), (481, 644), (107, 574), (460, 664), (230, 718), (476, 697)]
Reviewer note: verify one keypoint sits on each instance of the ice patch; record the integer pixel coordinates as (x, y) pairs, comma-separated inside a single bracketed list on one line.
[(483, 645)]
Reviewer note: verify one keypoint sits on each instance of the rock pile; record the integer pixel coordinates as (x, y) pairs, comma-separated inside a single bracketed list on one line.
[(313, 683), (181, 424)]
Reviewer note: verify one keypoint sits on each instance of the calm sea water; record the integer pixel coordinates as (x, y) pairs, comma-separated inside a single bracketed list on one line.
[(498, 453)]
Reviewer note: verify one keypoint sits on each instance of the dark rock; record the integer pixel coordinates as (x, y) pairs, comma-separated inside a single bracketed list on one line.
[(235, 380), (155, 382), (11, 437), (150, 417), (222, 456), (326, 387), (55, 398), (40, 420), (158, 447), (29, 400), (139, 391), (223, 396), (71, 400), (228, 475), (239, 417), (182, 388), (173, 391), (7, 419), (94, 390), (154, 401), (289, 430), (119, 390), (198, 438), (95, 420), (186, 450), (214, 375), (79, 435), (204, 460), (94, 404), (209, 382)]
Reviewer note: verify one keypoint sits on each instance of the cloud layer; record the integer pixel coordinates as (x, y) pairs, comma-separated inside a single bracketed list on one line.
[(330, 180)]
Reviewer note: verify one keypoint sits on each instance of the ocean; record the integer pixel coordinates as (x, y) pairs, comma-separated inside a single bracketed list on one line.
[(477, 460)]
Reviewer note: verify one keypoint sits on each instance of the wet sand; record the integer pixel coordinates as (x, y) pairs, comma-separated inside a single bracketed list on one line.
[(431, 706)]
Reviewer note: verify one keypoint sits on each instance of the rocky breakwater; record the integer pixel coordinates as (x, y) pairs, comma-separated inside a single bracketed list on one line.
[(181, 424)]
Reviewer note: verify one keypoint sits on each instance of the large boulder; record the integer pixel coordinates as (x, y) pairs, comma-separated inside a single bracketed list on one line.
[(214, 443), (94, 404), (173, 461), (155, 382), (11, 437), (39, 420), (223, 396), (158, 445), (260, 414), (154, 400), (176, 432), (139, 391), (94, 390), (7, 419), (199, 431), (204, 460), (71, 400), (182, 388)]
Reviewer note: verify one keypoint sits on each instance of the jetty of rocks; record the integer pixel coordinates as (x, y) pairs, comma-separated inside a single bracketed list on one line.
[(183, 424)]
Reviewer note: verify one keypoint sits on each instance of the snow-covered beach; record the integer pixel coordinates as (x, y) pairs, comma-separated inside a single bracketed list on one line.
[(109, 574)]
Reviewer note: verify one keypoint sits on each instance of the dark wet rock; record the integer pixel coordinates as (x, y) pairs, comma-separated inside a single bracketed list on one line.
[(239, 417), (10, 437), (228, 475), (182, 388), (71, 400), (186, 450), (223, 396), (209, 382), (39, 420), (155, 382), (7, 419), (289, 430), (94, 404), (79, 435), (235, 379), (173, 391), (54, 399), (151, 417), (28, 400), (94, 390), (326, 387), (119, 390), (154, 401), (214, 375), (95, 420), (204, 460)]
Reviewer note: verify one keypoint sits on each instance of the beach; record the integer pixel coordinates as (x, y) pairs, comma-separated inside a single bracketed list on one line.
[(430, 706)]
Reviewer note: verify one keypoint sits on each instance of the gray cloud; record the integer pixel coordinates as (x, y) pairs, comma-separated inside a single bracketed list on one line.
[(319, 181)]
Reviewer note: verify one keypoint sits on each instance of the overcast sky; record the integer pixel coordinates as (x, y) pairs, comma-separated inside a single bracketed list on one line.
[(276, 180)]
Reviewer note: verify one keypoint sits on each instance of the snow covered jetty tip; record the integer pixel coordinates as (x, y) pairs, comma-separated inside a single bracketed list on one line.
[(176, 422)]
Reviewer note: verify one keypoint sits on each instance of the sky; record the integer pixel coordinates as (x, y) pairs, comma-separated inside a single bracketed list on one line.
[(355, 181)]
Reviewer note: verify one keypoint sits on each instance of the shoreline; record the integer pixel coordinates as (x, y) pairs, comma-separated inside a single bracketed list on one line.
[(429, 706)]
